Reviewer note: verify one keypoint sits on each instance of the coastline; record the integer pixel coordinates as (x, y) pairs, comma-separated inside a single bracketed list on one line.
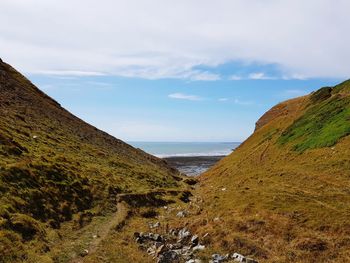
[(193, 165)]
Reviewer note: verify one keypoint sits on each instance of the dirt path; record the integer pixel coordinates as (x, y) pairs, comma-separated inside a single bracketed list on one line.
[(118, 218)]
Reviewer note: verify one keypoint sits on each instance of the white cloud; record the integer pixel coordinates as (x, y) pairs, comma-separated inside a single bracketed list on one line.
[(204, 76), (294, 76), (235, 77), (244, 103), (181, 96), (259, 75), (149, 39), (223, 99), (76, 73)]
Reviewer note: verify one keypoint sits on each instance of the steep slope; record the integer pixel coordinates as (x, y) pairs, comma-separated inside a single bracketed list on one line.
[(55, 168), (283, 195)]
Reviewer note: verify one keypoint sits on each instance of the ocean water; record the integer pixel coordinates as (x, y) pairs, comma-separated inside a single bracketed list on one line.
[(186, 149)]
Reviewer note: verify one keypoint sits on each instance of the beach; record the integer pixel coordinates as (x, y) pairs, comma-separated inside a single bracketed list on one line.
[(193, 165), (190, 158)]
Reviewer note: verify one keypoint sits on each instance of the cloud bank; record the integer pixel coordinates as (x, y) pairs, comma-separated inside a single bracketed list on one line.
[(168, 39)]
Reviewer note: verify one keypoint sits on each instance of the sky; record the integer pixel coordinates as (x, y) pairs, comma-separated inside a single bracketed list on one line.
[(184, 70)]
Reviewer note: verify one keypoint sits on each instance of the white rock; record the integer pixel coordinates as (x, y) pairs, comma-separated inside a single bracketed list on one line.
[(198, 247), (84, 253), (183, 233), (238, 257), (181, 214)]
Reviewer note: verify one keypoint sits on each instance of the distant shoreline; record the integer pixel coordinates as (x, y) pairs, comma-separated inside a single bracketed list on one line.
[(193, 165), (200, 157)]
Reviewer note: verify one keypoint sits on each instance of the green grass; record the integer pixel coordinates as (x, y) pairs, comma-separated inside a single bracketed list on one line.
[(322, 125), (343, 87)]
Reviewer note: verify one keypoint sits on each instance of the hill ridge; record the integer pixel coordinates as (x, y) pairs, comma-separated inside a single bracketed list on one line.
[(57, 169)]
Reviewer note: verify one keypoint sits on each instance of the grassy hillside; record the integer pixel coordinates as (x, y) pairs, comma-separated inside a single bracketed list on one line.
[(55, 168), (283, 195)]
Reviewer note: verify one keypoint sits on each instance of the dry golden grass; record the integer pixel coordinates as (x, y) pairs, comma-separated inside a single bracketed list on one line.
[(277, 204), (58, 173)]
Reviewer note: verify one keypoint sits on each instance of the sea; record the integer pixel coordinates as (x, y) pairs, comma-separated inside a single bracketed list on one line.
[(190, 158), (186, 149)]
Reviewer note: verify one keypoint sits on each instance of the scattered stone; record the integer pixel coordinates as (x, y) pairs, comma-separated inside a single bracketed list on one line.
[(217, 258), (169, 256), (182, 214), (240, 258), (160, 250), (151, 251), (198, 247), (179, 245), (157, 237), (84, 253), (195, 240), (173, 232), (155, 225), (194, 261), (183, 233), (35, 136), (223, 189)]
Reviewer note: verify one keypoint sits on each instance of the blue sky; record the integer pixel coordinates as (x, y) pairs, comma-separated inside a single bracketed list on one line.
[(185, 70), (136, 109)]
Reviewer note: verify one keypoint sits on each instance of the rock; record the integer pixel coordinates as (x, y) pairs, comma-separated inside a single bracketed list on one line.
[(84, 253), (160, 250), (186, 249), (198, 247), (151, 251), (139, 240), (216, 219), (169, 256), (136, 235), (157, 237), (155, 225), (194, 240), (175, 246), (223, 189), (239, 258), (217, 258), (35, 137), (182, 214), (183, 233), (173, 232), (194, 261)]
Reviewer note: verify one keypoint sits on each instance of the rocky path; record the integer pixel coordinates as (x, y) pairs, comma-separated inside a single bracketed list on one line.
[(118, 218), (179, 244)]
